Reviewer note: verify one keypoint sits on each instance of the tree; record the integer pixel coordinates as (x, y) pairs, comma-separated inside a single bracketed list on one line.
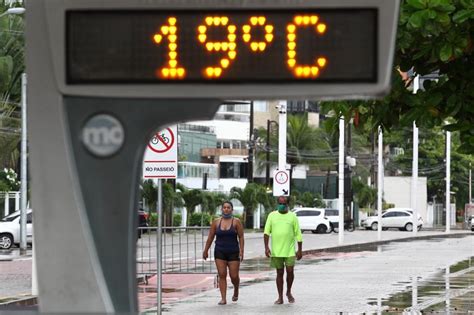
[(191, 198), (11, 68), (250, 197), (212, 200)]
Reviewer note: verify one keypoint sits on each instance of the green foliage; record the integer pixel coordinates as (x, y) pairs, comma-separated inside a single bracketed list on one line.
[(250, 197), (364, 195), (9, 180), (153, 219), (200, 219), (177, 219), (306, 199)]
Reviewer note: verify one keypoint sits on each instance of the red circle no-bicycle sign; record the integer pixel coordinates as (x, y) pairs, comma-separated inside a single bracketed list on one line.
[(162, 141), (281, 177)]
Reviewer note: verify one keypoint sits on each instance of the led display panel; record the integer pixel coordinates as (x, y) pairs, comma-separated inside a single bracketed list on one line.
[(229, 46)]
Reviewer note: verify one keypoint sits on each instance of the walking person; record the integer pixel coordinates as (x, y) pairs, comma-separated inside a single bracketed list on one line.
[(228, 251), (283, 228)]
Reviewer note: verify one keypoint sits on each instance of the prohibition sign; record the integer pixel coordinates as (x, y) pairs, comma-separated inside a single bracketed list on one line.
[(162, 141), (281, 177)]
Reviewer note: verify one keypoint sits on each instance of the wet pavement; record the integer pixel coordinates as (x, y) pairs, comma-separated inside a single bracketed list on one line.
[(365, 280)]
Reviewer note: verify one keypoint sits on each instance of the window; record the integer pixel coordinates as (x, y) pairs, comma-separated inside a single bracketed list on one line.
[(402, 214), (29, 218), (233, 170), (332, 212), (389, 215)]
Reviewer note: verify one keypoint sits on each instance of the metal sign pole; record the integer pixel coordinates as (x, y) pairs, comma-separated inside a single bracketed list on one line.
[(158, 248)]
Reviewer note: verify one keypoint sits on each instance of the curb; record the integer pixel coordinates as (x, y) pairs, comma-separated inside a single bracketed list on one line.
[(28, 301)]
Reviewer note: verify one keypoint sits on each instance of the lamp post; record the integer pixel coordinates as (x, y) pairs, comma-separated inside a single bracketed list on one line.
[(14, 11)]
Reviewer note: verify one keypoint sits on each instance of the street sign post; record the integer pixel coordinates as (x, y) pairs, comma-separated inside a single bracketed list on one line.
[(104, 75), (281, 183)]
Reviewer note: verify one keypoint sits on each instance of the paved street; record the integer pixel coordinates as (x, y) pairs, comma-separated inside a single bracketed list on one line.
[(345, 282)]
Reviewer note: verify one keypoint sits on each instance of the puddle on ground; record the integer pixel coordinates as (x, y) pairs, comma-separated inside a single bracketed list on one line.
[(451, 290)]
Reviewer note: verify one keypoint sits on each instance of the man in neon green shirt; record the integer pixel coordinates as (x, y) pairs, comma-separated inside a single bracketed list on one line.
[(284, 229)]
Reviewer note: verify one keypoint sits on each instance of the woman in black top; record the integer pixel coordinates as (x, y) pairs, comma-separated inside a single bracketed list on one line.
[(228, 252)]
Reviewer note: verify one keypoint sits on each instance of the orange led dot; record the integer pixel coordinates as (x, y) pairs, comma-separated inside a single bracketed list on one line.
[(291, 37), (306, 20), (173, 72), (209, 71), (314, 19), (172, 20), (269, 37), (202, 38), (172, 38), (246, 28), (231, 37), (321, 62), (299, 71), (291, 28), (224, 46), (173, 29), (291, 54), (181, 72), (314, 71), (173, 54), (224, 20), (172, 46), (246, 37), (291, 45), (209, 46), (232, 54), (173, 63), (217, 46), (298, 19), (254, 20), (291, 62), (165, 30), (225, 63), (165, 72), (254, 46), (209, 20), (217, 20), (261, 20), (217, 71), (262, 46), (157, 38), (232, 46), (268, 28), (202, 29), (321, 28), (232, 28), (306, 71)]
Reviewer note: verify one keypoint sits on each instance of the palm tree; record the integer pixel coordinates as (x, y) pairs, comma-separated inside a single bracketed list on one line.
[(11, 68), (191, 198), (212, 200), (252, 195)]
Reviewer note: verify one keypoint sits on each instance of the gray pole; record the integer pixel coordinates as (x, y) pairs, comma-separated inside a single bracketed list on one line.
[(24, 191), (414, 179), (448, 181), (158, 248), (340, 202), (379, 183), (470, 184)]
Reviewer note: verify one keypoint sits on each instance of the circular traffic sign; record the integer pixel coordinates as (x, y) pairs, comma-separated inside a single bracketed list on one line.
[(281, 177), (162, 141)]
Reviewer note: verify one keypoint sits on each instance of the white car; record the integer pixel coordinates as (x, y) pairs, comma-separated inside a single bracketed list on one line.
[(312, 219), (10, 229), (400, 218)]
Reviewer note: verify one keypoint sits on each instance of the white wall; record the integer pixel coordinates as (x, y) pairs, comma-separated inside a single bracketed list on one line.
[(397, 190)]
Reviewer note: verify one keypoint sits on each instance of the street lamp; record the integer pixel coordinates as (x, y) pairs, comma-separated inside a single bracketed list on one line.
[(14, 11)]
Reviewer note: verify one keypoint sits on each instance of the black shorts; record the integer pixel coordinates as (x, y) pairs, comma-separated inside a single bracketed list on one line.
[(235, 256)]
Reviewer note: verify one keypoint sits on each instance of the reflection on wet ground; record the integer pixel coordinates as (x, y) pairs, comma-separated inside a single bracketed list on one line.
[(451, 290)]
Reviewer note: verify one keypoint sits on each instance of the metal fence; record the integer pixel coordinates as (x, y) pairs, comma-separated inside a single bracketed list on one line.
[(181, 250)]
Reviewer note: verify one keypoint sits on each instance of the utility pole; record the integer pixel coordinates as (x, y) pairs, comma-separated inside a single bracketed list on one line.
[(379, 185), (251, 146), (448, 181), (414, 179), (24, 168), (470, 184), (282, 136), (267, 168), (341, 180)]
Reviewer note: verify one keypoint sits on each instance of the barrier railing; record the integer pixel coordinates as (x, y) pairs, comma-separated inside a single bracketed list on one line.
[(181, 250)]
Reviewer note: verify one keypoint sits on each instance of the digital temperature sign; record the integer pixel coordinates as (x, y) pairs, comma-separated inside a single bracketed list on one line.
[(228, 46)]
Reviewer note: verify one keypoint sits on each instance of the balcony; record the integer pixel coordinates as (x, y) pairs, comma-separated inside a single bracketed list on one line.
[(216, 152)]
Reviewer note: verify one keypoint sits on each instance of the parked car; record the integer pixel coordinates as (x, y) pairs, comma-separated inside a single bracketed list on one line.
[(333, 216), (142, 222), (312, 219), (10, 229), (400, 218)]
